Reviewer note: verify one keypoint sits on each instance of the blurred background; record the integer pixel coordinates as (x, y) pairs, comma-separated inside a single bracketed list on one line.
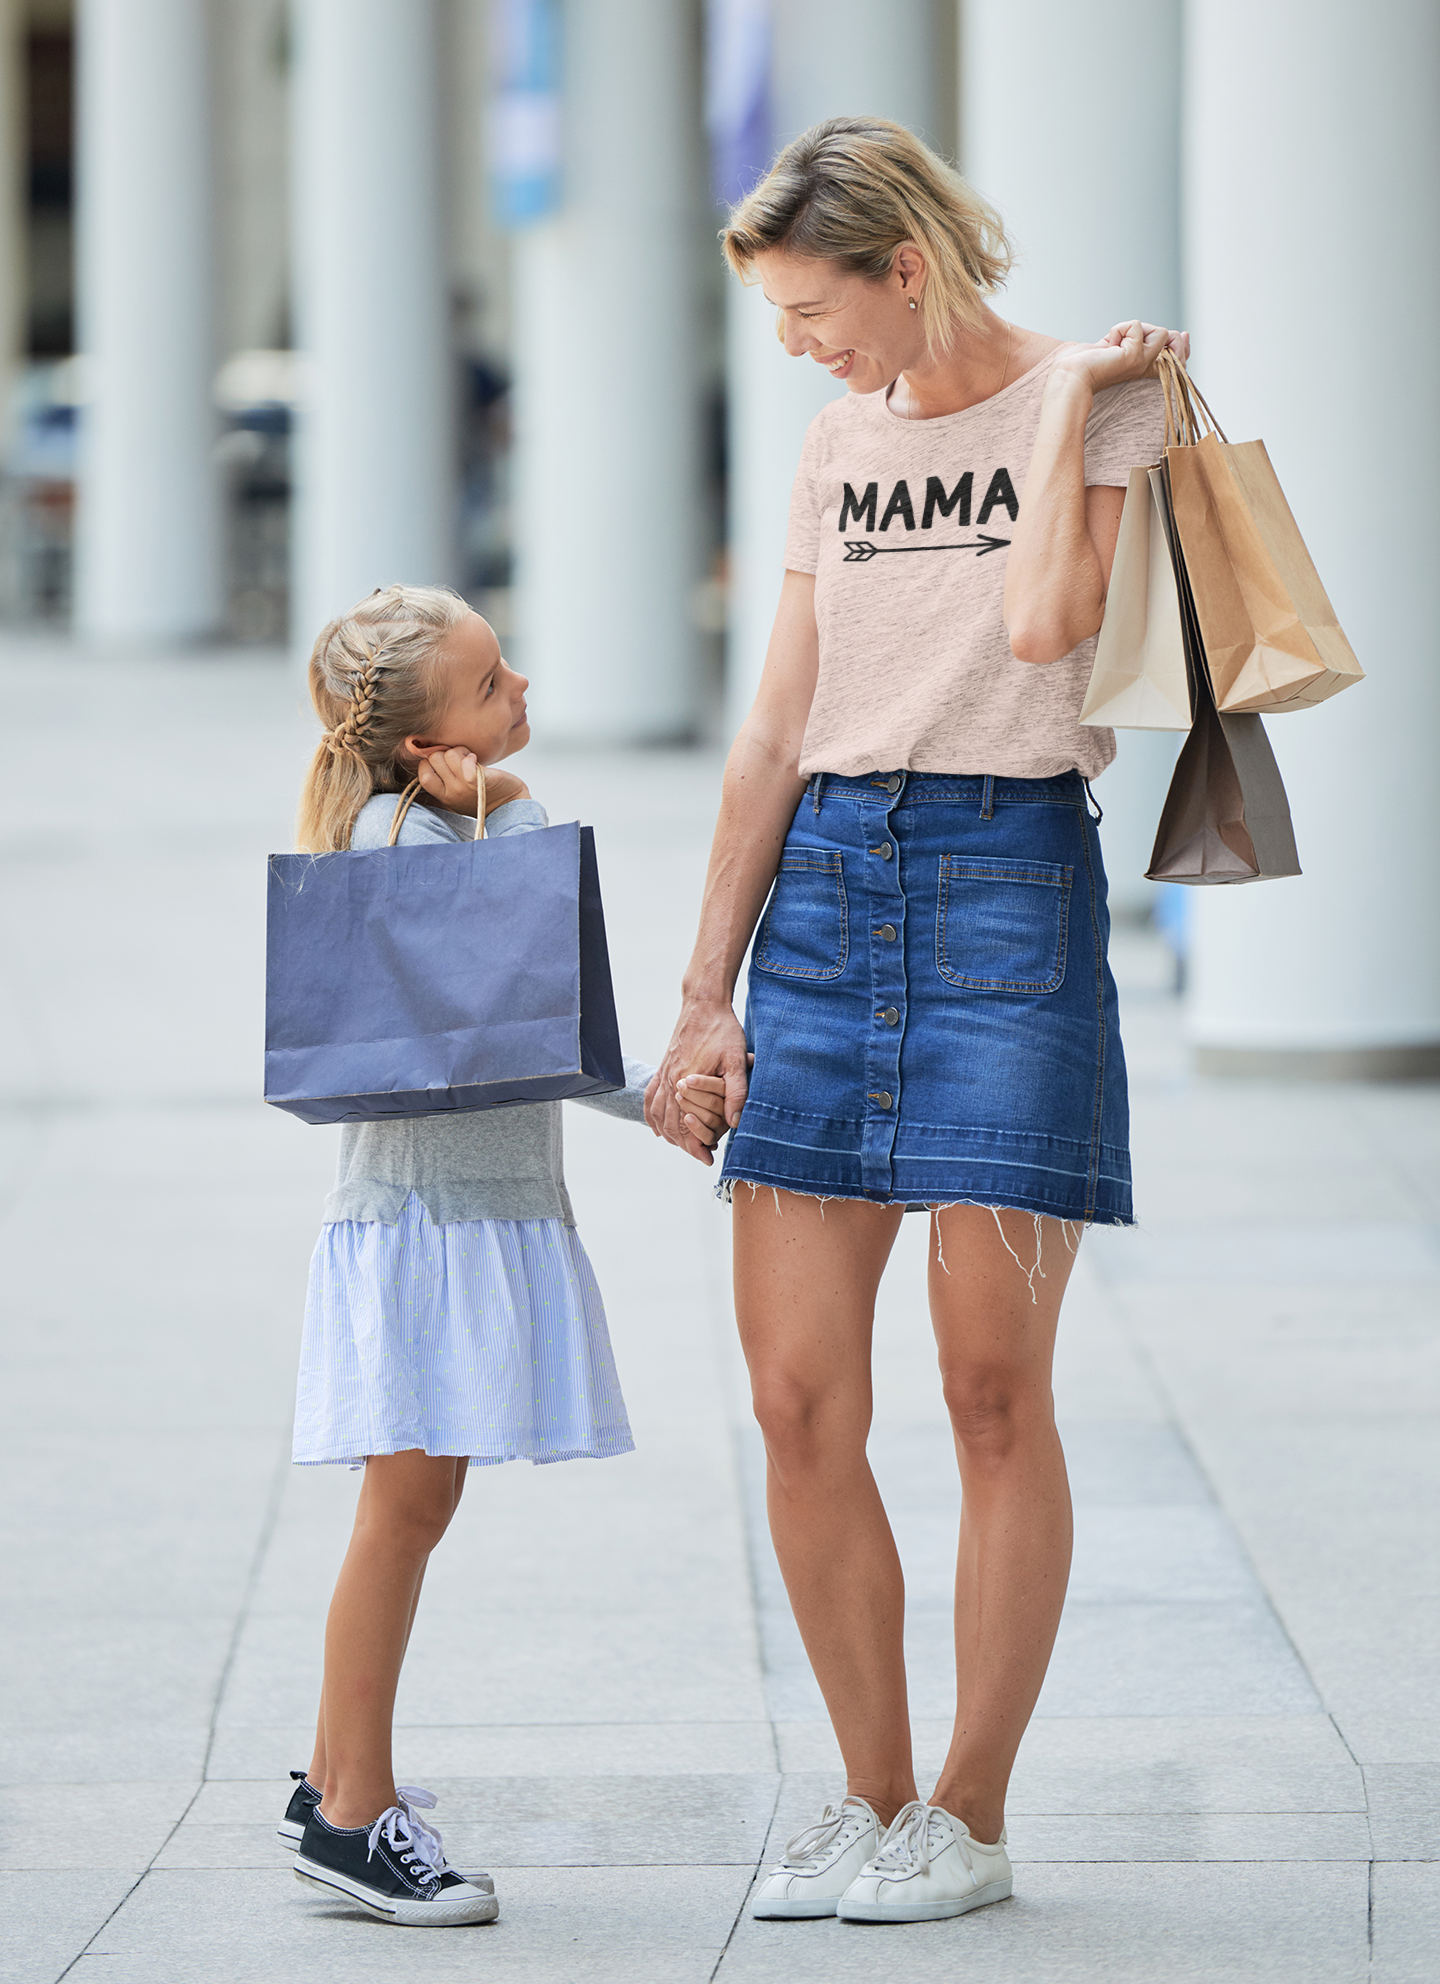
[(303, 296)]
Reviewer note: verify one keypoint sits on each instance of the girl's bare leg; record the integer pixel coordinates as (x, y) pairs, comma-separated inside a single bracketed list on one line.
[(406, 1502), (805, 1300), (996, 1349)]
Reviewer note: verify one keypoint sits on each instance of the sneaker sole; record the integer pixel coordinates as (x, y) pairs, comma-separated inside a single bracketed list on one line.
[(290, 1832), (404, 1914), (923, 1911), (793, 1911)]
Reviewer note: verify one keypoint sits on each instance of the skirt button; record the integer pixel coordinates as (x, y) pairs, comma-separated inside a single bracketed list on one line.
[(885, 1099), (887, 931), (891, 1016)]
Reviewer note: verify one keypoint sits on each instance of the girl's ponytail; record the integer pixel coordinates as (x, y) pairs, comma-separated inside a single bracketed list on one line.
[(374, 682)]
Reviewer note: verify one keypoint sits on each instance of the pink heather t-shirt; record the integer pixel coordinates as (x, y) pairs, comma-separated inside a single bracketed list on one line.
[(906, 525)]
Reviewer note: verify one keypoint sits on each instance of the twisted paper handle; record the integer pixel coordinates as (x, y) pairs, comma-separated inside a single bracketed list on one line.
[(1187, 412), (407, 800)]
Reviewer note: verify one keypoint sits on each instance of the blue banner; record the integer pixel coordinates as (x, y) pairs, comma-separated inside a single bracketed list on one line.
[(525, 129), (737, 95)]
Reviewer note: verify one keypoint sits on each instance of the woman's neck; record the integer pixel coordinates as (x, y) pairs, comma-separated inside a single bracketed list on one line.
[(977, 366)]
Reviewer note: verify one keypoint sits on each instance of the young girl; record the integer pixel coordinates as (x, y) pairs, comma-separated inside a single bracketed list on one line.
[(453, 1319)]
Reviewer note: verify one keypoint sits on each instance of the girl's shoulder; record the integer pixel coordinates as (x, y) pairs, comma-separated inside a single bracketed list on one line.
[(421, 824)]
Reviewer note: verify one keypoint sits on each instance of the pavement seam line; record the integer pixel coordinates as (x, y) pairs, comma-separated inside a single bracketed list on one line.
[(759, 1863), (242, 1615)]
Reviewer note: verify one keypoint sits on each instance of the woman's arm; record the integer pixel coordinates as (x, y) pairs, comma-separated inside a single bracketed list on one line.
[(1064, 542), (758, 799)]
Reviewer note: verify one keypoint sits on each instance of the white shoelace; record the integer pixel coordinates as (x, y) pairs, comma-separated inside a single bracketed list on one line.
[(416, 1845), (905, 1849), (813, 1841)]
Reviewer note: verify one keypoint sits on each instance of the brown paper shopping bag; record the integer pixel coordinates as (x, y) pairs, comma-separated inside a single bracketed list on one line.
[(1270, 633), (1139, 681), (1226, 817)]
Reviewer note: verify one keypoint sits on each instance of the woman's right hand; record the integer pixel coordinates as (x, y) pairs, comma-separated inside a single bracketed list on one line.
[(708, 1040)]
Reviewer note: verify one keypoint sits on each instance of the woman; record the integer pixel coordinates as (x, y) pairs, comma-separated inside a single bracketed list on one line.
[(930, 1010)]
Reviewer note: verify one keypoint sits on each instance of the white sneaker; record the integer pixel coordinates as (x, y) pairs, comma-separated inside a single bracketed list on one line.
[(820, 1864), (927, 1867)]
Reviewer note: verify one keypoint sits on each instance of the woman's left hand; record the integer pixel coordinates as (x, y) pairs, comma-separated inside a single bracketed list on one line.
[(1127, 351)]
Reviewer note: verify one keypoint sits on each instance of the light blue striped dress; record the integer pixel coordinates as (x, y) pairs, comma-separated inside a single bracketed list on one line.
[(430, 1323)]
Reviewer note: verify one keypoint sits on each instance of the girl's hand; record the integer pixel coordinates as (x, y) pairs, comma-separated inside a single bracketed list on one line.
[(1127, 351), (701, 1099), (451, 777), (501, 788)]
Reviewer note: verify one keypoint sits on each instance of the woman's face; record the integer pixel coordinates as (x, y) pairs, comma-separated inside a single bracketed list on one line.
[(864, 333), (485, 699)]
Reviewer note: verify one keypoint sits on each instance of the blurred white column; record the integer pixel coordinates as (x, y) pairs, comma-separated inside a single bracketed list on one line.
[(1080, 152), (1312, 177), (606, 409), (831, 58), (375, 460), (148, 525)]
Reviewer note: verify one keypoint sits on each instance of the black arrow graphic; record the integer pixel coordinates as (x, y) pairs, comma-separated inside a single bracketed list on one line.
[(858, 551)]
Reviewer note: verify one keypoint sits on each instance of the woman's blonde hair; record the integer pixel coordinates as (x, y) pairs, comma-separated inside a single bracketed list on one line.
[(852, 191), (374, 682)]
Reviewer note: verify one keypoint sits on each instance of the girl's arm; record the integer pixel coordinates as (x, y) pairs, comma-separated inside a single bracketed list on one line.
[(1064, 542), (761, 790)]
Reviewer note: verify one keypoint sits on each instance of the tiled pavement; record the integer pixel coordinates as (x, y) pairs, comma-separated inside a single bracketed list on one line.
[(1235, 1771)]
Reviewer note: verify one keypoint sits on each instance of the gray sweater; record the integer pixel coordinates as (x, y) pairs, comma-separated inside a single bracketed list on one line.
[(477, 1163)]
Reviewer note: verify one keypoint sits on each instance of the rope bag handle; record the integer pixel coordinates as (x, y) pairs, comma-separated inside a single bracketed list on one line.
[(407, 800)]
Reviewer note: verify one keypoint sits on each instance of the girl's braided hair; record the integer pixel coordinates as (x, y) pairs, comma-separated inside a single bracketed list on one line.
[(374, 682)]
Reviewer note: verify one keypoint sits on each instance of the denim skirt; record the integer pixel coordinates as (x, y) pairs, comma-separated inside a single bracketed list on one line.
[(930, 1003)]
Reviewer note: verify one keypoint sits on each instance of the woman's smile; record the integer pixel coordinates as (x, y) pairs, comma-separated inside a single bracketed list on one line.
[(838, 365)]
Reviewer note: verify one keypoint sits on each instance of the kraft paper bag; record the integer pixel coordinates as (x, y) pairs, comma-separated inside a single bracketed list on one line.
[(1271, 636), (1226, 817), (412, 981), (1139, 678)]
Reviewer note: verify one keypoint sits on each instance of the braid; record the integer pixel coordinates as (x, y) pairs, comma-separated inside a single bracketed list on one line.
[(349, 733)]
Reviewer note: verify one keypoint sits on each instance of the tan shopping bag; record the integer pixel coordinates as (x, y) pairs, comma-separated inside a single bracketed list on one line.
[(1138, 681), (1271, 636), (1226, 817)]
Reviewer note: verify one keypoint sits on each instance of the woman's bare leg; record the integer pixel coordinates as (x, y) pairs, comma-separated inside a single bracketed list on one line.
[(805, 1299), (996, 1350), (406, 1502)]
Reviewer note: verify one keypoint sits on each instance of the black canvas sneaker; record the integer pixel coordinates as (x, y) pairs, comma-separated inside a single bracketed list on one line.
[(303, 1800), (395, 1868)]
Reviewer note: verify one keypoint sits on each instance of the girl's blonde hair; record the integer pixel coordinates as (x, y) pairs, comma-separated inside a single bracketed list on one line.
[(374, 682), (852, 191)]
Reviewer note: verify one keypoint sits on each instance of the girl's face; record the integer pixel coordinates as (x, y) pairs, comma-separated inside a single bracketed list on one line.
[(485, 706), (862, 332)]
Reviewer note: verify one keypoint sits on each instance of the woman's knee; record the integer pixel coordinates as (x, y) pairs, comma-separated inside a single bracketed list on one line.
[(412, 1505), (993, 1406), (805, 1426)]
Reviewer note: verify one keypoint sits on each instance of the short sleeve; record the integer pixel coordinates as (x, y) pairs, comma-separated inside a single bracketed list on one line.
[(802, 540), (1126, 430)]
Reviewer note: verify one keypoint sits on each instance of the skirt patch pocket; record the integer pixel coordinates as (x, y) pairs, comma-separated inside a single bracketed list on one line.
[(806, 931), (1001, 925)]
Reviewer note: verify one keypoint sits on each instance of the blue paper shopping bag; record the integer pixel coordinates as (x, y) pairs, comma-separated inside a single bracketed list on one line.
[(408, 981)]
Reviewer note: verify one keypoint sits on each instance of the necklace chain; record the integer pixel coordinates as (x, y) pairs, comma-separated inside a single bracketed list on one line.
[(1004, 375)]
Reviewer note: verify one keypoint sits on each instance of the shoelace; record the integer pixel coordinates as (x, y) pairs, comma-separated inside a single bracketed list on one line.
[(905, 1848), (415, 1800), (811, 1841), (416, 1845)]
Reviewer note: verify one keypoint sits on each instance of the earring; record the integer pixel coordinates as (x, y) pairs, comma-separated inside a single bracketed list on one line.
[(913, 304)]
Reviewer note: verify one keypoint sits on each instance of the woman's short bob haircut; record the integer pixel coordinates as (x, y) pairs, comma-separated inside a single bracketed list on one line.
[(855, 189)]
